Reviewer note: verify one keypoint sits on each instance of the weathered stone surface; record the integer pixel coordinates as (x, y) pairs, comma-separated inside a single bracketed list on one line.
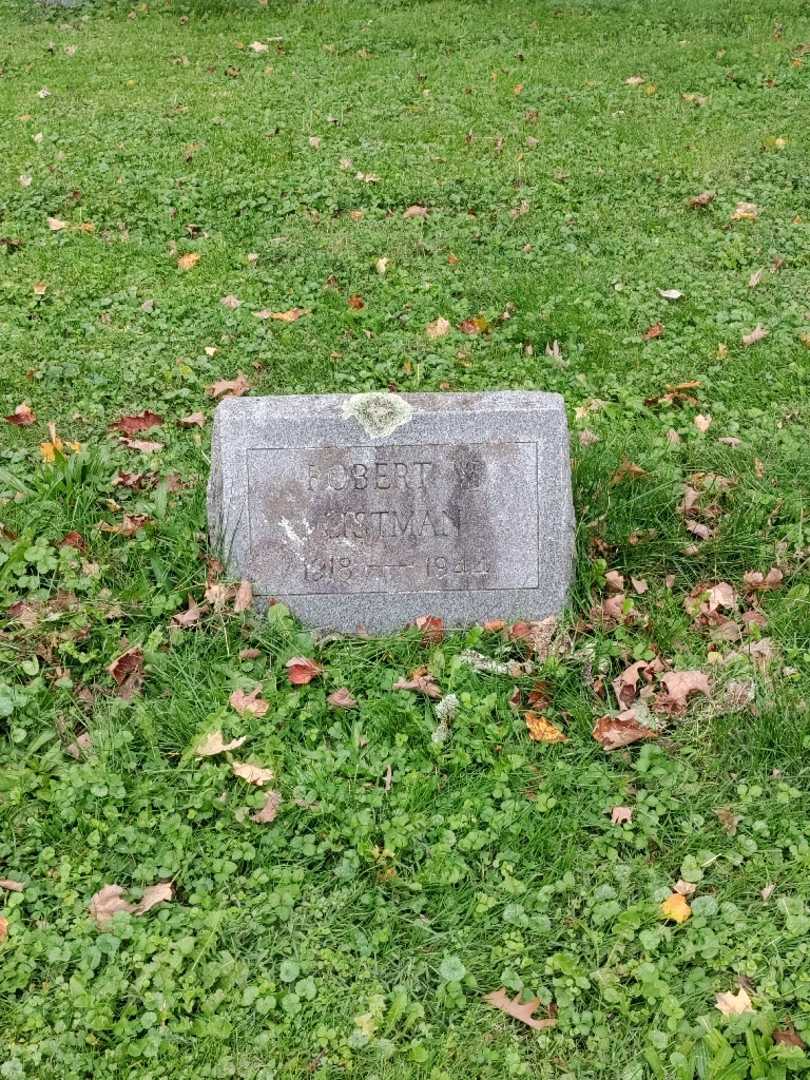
[(374, 509)]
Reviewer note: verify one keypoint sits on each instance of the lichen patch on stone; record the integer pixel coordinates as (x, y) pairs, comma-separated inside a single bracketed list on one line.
[(378, 414)]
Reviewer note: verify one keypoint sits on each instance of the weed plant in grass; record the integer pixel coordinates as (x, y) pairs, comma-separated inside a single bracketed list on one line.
[(572, 162)]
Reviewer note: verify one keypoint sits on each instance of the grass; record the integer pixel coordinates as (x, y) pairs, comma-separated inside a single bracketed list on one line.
[(357, 934)]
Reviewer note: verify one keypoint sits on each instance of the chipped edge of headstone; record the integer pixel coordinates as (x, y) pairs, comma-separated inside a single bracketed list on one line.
[(378, 414)]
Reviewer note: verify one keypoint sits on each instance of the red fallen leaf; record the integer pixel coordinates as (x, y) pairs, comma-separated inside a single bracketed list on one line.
[(127, 671), (244, 597), (356, 302), (493, 626), (269, 810), (499, 999), (235, 387), (301, 670), (614, 732), (788, 1037), (131, 425), (73, 539), (195, 419), (341, 699), (678, 686), (23, 416), (421, 682), (431, 628), (192, 615), (133, 481), (143, 446), (538, 635), (759, 582), (128, 526), (415, 211), (251, 703), (476, 325), (654, 331), (621, 815)]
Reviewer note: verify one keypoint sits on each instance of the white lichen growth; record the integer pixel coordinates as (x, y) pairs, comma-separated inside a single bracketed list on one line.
[(378, 414), (445, 711)]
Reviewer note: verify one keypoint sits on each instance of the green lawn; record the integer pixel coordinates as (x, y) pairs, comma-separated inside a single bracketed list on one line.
[(413, 866)]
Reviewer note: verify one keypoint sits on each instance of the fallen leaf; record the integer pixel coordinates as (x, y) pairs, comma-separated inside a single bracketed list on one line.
[(381, 265), (685, 888), (788, 1037), (634, 80), (640, 586), (3, 928), (625, 470), (214, 744), (258, 47), (499, 999), (235, 387), (757, 334), (431, 628), (23, 416), (654, 331), (702, 423), (270, 809), (152, 896), (315, 142), (438, 328), (356, 302), (733, 1004), (416, 211), (703, 199), (231, 302), (678, 686), (755, 279), (675, 908), (127, 671), (730, 440), (131, 425), (143, 446), (128, 526), (195, 419), (614, 732), (542, 730), (191, 616), (476, 325), (56, 224), (83, 744), (243, 600), (621, 815), (249, 702), (669, 294), (188, 261), (107, 902), (341, 699), (768, 891), (698, 529), (25, 180), (614, 581), (745, 211), (728, 819), (253, 774), (421, 682), (759, 582), (249, 654), (301, 670), (625, 685), (290, 316), (40, 288), (11, 885), (587, 438)]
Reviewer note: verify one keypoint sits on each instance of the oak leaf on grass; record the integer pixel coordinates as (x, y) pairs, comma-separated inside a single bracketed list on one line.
[(253, 774), (431, 627), (250, 702), (214, 744), (233, 387), (522, 1011)]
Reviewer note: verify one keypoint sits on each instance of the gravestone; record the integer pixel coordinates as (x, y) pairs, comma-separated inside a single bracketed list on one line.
[(371, 510)]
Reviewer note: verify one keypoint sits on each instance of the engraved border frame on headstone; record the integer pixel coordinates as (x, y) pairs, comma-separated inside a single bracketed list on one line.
[(264, 449)]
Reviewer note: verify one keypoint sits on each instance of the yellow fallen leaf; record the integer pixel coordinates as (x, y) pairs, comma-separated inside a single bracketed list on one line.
[(542, 730), (188, 261), (675, 908)]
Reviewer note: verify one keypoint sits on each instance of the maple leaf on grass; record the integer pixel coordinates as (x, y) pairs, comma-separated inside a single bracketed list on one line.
[(420, 682), (499, 999), (143, 446), (733, 1004), (678, 686), (615, 732), (131, 425), (301, 670), (252, 774), (233, 387), (23, 416), (191, 616), (341, 699), (542, 730), (249, 702), (214, 744), (270, 809), (195, 419), (675, 908)]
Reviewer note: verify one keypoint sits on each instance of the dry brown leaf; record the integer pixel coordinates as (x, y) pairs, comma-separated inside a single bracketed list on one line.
[(249, 702), (538, 635), (625, 470), (195, 419), (640, 585), (270, 809), (634, 80), (685, 888), (243, 600), (698, 529), (476, 325), (191, 616), (759, 582), (788, 1037), (231, 302), (301, 670), (415, 211), (107, 902), (542, 730), (745, 211), (23, 416), (356, 302), (253, 774), (614, 732), (614, 581), (670, 294), (625, 685), (56, 224), (152, 896), (734, 1004), (757, 334), (291, 316), (83, 744), (728, 819), (341, 699), (431, 628), (10, 885), (127, 671), (701, 200), (214, 744), (587, 438), (143, 446), (621, 815), (652, 332), (421, 682), (702, 423), (188, 261), (675, 908), (235, 387), (438, 328), (678, 686), (755, 279), (131, 425), (128, 526), (522, 1011), (3, 928)]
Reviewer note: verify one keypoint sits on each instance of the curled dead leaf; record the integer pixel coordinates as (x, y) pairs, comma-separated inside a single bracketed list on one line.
[(249, 702), (253, 774), (270, 809), (301, 670), (214, 744), (420, 682), (415, 211), (191, 616), (678, 687), (23, 416), (614, 732), (341, 699), (152, 896), (243, 600)]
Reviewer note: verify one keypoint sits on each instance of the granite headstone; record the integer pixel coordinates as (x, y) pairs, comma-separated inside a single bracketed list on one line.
[(371, 510)]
